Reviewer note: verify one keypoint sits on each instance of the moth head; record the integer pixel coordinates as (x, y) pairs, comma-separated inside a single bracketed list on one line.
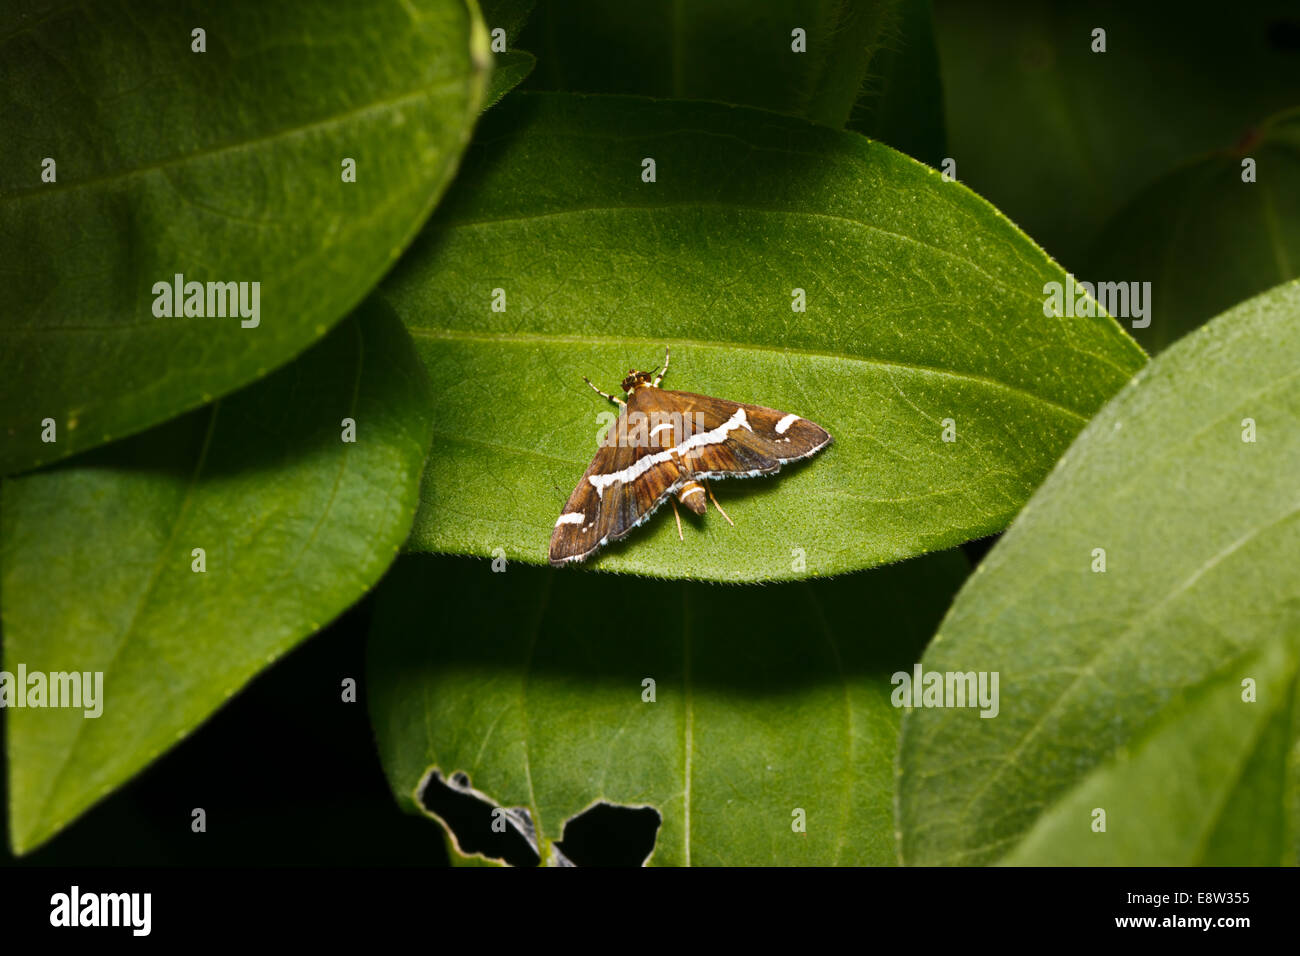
[(636, 379)]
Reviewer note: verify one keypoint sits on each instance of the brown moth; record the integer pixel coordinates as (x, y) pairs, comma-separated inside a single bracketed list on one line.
[(664, 447)]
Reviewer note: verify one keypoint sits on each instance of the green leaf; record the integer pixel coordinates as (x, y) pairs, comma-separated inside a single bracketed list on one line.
[(1201, 533), (726, 50), (902, 102), (222, 166), (1205, 239), (1204, 786), (923, 304), (1293, 791), (97, 557), (508, 70), (1059, 137), (767, 700), (508, 15)]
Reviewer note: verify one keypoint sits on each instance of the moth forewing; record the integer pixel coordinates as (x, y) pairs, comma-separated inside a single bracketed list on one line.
[(608, 502), (759, 444), (577, 531)]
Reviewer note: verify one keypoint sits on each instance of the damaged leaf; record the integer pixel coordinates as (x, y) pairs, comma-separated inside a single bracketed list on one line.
[(756, 721)]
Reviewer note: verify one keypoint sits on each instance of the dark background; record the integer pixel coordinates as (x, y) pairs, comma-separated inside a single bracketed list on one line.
[(287, 773)]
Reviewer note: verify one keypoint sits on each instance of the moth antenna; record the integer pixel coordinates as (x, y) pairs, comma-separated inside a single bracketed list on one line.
[(660, 377), (616, 401), (677, 514)]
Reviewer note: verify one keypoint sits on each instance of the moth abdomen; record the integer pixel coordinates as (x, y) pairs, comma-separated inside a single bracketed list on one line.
[(691, 495)]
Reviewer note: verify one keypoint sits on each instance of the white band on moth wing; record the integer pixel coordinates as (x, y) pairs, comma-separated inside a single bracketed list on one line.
[(570, 517), (784, 424), (641, 466)]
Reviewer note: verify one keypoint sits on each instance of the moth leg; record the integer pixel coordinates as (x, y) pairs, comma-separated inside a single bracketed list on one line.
[(677, 514), (617, 401), (718, 506), (660, 377)]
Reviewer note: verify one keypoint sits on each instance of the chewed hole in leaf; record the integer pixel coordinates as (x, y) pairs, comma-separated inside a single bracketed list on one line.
[(609, 835), (477, 824)]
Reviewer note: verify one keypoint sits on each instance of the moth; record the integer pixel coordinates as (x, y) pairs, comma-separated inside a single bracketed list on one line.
[(665, 446)]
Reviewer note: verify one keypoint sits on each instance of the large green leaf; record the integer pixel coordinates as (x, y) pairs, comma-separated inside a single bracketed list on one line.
[(1206, 785), (1201, 534), (222, 166), (767, 700), (923, 304), (732, 51), (1060, 137), (1205, 239), (96, 557)]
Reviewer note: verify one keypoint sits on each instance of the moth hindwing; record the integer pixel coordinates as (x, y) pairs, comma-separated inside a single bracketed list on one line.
[(662, 447)]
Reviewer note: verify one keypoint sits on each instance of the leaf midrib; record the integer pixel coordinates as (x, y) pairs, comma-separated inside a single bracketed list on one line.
[(453, 223), (180, 516), (1150, 464), (850, 741), (230, 147), (600, 339)]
